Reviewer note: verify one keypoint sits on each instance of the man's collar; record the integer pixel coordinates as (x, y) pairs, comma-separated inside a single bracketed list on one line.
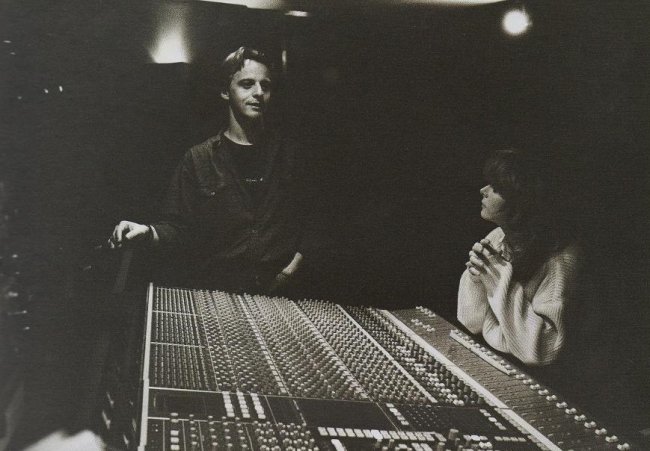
[(270, 137)]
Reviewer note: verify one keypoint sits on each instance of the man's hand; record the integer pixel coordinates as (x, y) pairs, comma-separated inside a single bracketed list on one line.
[(286, 274), (280, 281), (127, 231)]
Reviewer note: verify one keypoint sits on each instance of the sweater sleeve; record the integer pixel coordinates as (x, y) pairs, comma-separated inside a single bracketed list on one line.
[(529, 322), (473, 309)]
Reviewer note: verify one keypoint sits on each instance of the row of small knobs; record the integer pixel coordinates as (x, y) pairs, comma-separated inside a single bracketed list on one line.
[(430, 373), (307, 366), (234, 435), (246, 365), (379, 377), (173, 300)]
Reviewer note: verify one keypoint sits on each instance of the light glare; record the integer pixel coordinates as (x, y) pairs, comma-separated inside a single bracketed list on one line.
[(257, 4), (170, 44), (516, 22), (170, 48), (295, 13), (450, 3)]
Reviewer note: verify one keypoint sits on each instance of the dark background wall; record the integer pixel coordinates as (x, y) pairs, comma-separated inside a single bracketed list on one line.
[(402, 106)]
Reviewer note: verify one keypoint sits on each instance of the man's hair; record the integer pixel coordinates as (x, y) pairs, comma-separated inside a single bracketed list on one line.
[(235, 61)]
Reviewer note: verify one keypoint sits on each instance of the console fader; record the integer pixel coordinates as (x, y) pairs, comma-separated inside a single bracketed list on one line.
[(241, 372)]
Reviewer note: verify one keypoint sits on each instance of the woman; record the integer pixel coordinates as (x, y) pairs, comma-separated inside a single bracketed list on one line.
[(520, 279)]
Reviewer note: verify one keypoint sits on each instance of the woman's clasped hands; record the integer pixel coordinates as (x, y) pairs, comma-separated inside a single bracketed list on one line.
[(486, 265)]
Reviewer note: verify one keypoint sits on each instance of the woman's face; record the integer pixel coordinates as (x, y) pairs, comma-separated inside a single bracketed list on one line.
[(493, 206)]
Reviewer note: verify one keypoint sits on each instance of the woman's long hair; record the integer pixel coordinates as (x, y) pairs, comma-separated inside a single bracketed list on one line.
[(536, 222)]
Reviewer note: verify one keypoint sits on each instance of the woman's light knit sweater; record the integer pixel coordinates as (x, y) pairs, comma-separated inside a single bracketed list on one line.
[(525, 319)]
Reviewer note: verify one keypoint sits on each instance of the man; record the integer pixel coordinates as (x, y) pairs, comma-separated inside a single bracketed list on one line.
[(234, 206)]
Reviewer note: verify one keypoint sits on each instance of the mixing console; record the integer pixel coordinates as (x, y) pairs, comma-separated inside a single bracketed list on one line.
[(241, 372)]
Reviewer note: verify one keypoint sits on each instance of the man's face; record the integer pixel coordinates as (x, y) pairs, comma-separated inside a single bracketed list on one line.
[(249, 92)]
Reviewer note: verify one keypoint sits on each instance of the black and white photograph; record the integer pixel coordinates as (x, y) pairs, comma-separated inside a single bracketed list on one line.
[(326, 225)]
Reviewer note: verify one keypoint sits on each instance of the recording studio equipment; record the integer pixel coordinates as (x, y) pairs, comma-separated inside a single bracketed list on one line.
[(15, 318), (14, 329), (246, 372)]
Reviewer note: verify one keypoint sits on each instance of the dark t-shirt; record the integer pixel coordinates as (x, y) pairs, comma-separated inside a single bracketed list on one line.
[(227, 232), (249, 163)]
